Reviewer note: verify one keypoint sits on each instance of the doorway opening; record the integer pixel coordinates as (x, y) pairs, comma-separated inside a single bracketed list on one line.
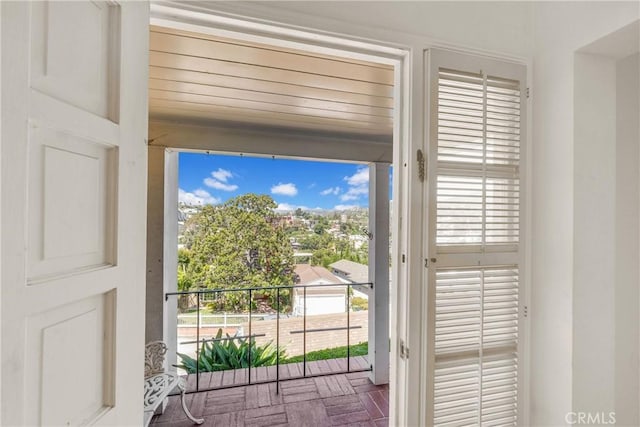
[(273, 260), (212, 93)]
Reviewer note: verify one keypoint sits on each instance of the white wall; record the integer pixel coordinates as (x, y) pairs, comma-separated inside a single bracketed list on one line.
[(320, 304), (627, 278), (1, 214), (594, 236), (606, 195), (594, 226), (560, 28), (505, 26)]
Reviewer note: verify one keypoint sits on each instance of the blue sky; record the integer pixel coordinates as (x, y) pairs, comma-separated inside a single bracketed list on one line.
[(215, 178)]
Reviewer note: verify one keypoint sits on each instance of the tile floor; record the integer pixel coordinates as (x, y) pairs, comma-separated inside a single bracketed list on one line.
[(333, 400)]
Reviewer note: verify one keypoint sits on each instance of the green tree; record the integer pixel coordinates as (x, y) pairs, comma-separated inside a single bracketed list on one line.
[(184, 258), (240, 244), (185, 281), (319, 228)]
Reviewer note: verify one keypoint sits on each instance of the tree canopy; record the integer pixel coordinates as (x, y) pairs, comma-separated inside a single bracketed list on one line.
[(238, 244)]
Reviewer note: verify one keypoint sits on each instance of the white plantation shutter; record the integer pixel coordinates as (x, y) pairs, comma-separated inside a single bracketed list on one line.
[(474, 241)]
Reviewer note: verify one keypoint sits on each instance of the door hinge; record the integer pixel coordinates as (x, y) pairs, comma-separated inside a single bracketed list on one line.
[(426, 263), (525, 311), (404, 350), (528, 92), (403, 258), (421, 165)]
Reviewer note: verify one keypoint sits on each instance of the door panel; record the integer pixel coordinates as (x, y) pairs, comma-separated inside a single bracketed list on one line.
[(90, 44), (68, 170), (74, 125), (89, 322)]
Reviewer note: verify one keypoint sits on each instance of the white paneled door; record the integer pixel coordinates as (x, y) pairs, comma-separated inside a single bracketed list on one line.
[(74, 123)]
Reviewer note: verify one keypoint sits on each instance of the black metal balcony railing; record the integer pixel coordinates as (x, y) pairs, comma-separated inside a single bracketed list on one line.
[(217, 295)]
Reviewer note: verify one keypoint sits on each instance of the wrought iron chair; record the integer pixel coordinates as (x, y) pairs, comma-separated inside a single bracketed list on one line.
[(158, 383)]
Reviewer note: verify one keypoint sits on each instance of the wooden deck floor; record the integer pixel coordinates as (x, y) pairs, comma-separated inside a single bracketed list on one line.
[(333, 400), (208, 380)]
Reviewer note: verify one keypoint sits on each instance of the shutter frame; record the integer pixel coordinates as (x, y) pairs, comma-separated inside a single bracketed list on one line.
[(495, 166)]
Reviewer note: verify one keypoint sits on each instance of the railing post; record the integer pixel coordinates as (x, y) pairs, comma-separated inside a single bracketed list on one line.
[(198, 342), (304, 334), (348, 329), (250, 336), (278, 341)]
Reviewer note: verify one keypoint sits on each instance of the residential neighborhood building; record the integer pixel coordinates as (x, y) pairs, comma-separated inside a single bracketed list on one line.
[(316, 286), (351, 271)]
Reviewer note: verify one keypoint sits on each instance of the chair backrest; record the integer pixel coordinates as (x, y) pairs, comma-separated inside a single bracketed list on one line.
[(154, 358)]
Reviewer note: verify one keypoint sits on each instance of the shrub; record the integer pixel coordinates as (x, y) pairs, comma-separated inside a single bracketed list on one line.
[(226, 354), (359, 303)]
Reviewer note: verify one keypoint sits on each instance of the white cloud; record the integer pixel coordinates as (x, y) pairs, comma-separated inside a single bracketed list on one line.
[(220, 180), (331, 190), (361, 177), (201, 193), (288, 189), (214, 183), (358, 185), (345, 207), (286, 207), (198, 197), (354, 193), (221, 174)]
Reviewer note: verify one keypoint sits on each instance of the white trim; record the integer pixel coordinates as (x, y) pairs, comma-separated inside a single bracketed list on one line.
[(1, 258), (250, 21), (428, 363), (285, 143), (413, 190), (170, 250), (398, 408), (526, 224), (218, 23), (379, 331)]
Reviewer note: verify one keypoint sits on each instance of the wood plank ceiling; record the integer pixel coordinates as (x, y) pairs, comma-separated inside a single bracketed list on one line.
[(201, 79)]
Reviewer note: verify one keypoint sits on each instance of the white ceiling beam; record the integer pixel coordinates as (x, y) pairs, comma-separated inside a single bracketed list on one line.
[(271, 142)]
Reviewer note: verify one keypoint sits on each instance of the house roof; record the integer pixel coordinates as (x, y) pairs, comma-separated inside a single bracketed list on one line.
[(352, 271), (316, 275)]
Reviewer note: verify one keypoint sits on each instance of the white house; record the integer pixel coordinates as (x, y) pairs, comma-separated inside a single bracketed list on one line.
[(316, 285)]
